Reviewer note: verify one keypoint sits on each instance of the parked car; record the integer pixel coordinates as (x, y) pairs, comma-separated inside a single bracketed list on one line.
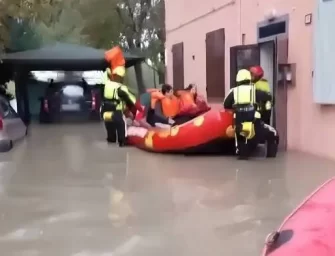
[(12, 127), (70, 100)]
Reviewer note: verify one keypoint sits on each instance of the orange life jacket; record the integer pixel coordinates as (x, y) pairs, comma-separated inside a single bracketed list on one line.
[(186, 98), (115, 57), (170, 106), (155, 95)]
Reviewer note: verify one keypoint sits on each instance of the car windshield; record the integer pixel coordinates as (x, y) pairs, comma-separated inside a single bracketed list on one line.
[(73, 91)]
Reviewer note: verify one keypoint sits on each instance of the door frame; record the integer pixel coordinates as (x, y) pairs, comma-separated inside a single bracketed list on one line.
[(276, 84), (264, 23), (283, 93), (274, 75)]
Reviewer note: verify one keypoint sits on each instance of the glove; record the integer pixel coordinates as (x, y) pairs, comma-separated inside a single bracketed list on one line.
[(138, 106), (268, 105), (171, 121)]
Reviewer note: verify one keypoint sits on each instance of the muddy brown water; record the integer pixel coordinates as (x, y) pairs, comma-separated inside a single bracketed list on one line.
[(65, 192)]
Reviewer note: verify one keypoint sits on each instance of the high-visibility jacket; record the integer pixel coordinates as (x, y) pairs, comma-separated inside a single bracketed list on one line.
[(247, 95), (118, 94), (247, 98), (263, 85), (244, 94), (156, 95)]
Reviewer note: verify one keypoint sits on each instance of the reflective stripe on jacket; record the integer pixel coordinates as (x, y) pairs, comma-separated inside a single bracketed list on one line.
[(244, 94), (119, 94)]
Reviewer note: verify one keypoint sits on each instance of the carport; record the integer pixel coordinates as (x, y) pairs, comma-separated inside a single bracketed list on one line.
[(60, 56)]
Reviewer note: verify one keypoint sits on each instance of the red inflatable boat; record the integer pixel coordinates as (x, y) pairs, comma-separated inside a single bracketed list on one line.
[(310, 229), (210, 132)]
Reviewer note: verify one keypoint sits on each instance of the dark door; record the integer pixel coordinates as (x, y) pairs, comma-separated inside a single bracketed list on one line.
[(215, 64), (178, 66), (243, 56), (280, 111)]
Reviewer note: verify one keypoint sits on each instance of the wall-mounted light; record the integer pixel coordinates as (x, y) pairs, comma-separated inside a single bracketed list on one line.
[(308, 19), (243, 39), (271, 15)]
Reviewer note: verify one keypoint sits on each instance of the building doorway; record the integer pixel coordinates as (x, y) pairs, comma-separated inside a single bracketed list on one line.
[(268, 54)]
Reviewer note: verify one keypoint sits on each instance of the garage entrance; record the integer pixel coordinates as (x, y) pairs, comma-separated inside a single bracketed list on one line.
[(67, 57)]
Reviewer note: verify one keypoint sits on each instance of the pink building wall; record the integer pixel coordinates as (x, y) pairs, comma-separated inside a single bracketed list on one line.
[(310, 125)]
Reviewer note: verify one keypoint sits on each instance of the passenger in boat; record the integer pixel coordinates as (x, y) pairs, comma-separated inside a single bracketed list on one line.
[(156, 112), (140, 117), (250, 130), (199, 100), (192, 88), (257, 75), (188, 96), (191, 104)]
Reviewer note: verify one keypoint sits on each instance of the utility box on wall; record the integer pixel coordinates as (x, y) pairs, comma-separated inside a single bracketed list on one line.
[(287, 74), (324, 54)]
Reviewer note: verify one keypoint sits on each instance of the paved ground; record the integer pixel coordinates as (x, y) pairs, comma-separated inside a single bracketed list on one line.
[(60, 196)]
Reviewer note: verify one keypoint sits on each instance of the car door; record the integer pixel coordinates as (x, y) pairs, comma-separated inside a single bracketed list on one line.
[(13, 124)]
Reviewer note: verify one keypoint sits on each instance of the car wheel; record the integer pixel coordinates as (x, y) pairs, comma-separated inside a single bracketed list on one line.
[(6, 146), (44, 119)]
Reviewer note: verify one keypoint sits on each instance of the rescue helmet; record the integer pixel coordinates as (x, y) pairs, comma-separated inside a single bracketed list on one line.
[(119, 71), (243, 75), (257, 72)]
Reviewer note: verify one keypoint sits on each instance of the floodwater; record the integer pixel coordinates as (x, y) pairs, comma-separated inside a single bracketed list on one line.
[(65, 192)]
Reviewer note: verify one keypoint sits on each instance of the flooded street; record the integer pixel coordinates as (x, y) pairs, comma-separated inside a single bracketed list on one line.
[(65, 192)]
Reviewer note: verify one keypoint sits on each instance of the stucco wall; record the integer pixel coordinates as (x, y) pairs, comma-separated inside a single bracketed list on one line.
[(309, 125)]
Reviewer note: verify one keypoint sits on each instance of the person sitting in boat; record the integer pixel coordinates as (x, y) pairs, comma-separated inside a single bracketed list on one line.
[(140, 117), (188, 96), (160, 110), (191, 104), (199, 100)]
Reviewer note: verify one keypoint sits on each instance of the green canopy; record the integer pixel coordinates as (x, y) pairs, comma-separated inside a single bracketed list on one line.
[(63, 56)]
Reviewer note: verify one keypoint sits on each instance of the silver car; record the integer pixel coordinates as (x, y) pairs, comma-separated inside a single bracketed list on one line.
[(12, 127)]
